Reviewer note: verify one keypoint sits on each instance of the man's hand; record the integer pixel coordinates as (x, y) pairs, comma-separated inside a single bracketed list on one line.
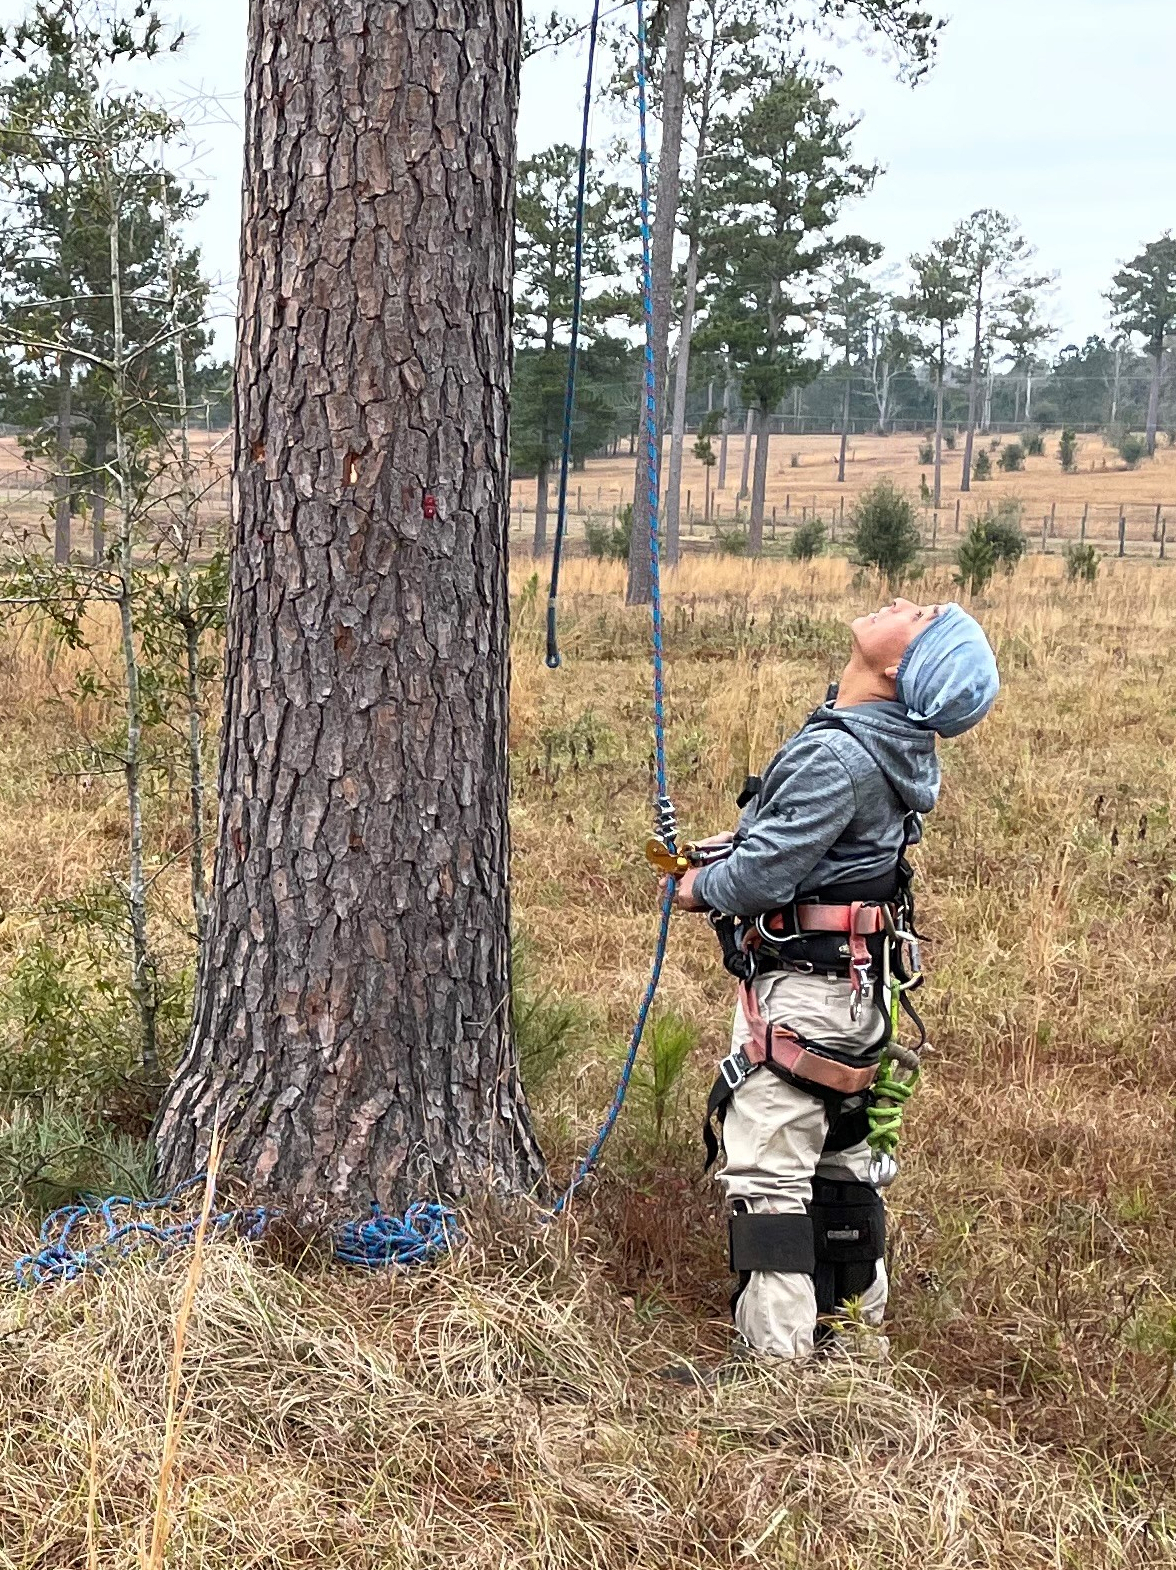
[(684, 891)]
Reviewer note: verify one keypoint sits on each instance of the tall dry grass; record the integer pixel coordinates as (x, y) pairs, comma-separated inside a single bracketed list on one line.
[(500, 1409)]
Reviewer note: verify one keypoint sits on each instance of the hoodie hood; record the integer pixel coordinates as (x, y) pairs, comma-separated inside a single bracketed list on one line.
[(903, 749)]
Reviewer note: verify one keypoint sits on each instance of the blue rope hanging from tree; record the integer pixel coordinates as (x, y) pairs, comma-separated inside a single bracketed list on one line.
[(87, 1236)]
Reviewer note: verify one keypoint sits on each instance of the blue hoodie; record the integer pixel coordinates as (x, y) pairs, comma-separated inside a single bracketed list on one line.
[(832, 809)]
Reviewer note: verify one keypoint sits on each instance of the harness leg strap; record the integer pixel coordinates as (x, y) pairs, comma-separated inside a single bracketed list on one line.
[(782, 1242)]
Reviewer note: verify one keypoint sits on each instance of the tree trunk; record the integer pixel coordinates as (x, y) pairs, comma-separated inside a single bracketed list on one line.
[(1153, 398), (98, 493), (973, 404), (1115, 388), (678, 420), (352, 1021), (724, 436), (844, 430), (63, 480), (759, 486), (539, 543), (989, 382), (748, 427), (938, 493), (1028, 393), (665, 223)]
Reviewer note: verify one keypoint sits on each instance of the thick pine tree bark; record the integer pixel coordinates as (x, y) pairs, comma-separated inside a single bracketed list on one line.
[(352, 1022)]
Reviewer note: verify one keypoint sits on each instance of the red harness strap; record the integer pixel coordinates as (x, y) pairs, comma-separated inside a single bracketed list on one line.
[(777, 1044), (857, 921)]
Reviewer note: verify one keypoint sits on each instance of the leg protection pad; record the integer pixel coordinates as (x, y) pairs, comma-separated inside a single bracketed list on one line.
[(849, 1238), (782, 1243)]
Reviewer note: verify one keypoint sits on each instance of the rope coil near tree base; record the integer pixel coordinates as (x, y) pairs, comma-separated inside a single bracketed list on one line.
[(67, 1248), (427, 1229)]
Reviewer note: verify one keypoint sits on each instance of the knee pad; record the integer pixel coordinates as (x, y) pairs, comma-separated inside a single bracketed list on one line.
[(849, 1238)]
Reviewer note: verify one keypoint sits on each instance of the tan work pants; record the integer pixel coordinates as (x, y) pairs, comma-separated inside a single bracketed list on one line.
[(773, 1142)]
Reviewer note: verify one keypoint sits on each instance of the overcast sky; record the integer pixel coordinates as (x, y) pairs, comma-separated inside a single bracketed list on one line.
[(1056, 111)]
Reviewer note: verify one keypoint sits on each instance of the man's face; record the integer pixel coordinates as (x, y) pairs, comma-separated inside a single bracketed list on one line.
[(884, 637)]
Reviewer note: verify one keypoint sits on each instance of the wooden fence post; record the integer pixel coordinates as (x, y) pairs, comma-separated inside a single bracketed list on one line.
[(1156, 530), (957, 516), (1122, 530), (841, 518), (1045, 534), (1163, 535), (1053, 511), (1082, 529), (934, 529), (787, 505), (579, 498)]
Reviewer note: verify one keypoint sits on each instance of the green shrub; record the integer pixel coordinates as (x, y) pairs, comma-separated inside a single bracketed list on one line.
[(1033, 444), (883, 532), (794, 460), (976, 560), (607, 541), (949, 440), (982, 467), (50, 1156), (927, 451), (1002, 530), (1132, 449), (1012, 459), (1082, 563), (544, 1025), (808, 540), (731, 542), (669, 1041), (1068, 451)]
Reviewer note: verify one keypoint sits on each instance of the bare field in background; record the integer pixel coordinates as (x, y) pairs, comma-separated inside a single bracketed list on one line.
[(501, 1408), (1102, 482)]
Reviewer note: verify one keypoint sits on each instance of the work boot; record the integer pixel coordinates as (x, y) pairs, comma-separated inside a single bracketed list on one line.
[(740, 1363)]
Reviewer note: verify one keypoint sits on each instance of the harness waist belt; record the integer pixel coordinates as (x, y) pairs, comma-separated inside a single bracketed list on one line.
[(858, 920), (777, 1044)]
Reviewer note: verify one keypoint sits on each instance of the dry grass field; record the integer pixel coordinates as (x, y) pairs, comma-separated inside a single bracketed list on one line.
[(502, 1409), (1101, 483)]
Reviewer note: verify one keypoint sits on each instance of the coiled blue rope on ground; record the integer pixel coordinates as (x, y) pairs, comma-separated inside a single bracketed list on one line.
[(67, 1248), (427, 1229)]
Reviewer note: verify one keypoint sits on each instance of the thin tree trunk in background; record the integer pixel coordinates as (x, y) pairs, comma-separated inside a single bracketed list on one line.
[(1028, 393), (973, 404), (144, 980), (1115, 389), (62, 484), (725, 435), (988, 385), (937, 495), (98, 483), (353, 1003), (186, 608), (539, 543), (665, 222), (745, 472), (759, 487), (1153, 399), (844, 429), (678, 420)]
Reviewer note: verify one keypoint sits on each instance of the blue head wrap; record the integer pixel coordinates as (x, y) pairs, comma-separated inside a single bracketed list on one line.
[(948, 677)]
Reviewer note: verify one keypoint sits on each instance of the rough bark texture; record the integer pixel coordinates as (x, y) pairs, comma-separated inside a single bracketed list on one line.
[(759, 484), (678, 420), (1153, 397), (62, 484), (98, 484), (353, 1011), (748, 426), (665, 223), (539, 541)]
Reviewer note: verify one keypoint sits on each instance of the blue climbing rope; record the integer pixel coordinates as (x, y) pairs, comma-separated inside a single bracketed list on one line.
[(427, 1229), (68, 1247), (565, 455), (664, 811)]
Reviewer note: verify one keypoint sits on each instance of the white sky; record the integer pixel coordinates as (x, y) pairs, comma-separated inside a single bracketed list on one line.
[(1056, 111)]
